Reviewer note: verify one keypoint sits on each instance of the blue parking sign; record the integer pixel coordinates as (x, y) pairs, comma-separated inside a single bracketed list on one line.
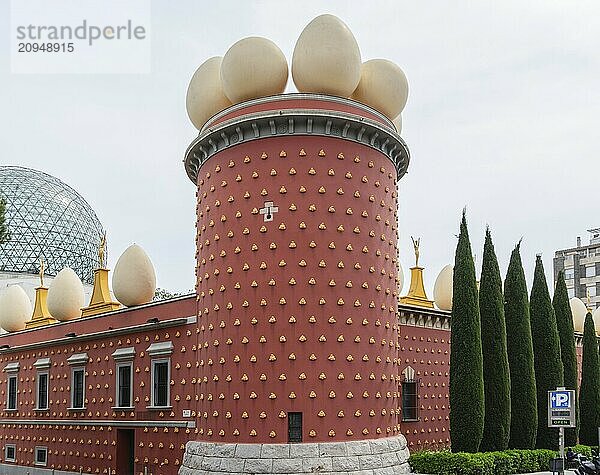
[(560, 399)]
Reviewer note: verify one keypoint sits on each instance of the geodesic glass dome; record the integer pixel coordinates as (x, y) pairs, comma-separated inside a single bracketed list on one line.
[(47, 219)]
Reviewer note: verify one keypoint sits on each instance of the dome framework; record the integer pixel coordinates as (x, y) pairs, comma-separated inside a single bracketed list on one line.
[(47, 219)]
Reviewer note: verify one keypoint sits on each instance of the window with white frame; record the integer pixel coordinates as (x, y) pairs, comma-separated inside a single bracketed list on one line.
[(78, 388), (590, 271), (124, 384), (10, 453), (11, 403), (78, 362), (160, 374), (124, 376), (42, 390), (160, 382), (42, 365), (41, 456), (12, 370)]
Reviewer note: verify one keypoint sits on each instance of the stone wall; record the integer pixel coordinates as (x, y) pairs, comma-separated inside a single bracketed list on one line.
[(388, 456)]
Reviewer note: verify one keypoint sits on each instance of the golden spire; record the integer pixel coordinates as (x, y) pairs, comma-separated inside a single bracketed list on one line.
[(101, 301), (416, 293)]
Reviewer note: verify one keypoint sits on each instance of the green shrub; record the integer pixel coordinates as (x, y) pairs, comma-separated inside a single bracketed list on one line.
[(482, 463), (585, 450)]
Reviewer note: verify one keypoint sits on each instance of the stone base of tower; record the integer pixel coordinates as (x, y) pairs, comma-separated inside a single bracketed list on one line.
[(387, 456)]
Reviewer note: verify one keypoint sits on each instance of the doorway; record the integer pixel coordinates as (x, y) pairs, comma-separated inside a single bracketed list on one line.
[(125, 451)]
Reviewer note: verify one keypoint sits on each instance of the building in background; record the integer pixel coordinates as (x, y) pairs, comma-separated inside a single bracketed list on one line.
[(581, 265), (47, 220)]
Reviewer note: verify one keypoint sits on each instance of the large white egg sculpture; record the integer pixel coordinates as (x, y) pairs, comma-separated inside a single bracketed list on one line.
[(443, 287), (66, 296), (400, 279), (578, 310), (15, 309), (205, 96), (134, 279), (398, 124), (326, 58), (596, 317), (382, 86), (253, 67)]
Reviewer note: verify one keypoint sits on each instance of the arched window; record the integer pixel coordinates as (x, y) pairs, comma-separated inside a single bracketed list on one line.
[(410, 399)]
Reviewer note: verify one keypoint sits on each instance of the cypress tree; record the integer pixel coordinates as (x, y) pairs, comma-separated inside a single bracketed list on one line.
[(466, 360), (4, 236), (496, 379), (589, 395), (546, 354), (523, 402), (564, 322)]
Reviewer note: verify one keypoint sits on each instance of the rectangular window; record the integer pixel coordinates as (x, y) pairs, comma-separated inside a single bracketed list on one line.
[(160, 383), (12, 393), (294, 427), (10, 453), (569, 273), (41, 456), (42, 391), (78, 388), (590, 271), (592, 290), (124, 384), (410, 404), (571, 292)]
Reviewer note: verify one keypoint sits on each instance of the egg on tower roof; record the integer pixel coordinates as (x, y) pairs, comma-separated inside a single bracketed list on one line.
[(383, 86), (205, 96), (253, 67), (326, 58)]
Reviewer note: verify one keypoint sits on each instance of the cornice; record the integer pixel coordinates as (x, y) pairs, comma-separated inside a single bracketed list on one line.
[(295, 122)]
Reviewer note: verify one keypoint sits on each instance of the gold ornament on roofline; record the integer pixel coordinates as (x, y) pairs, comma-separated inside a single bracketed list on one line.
[(102, 251), (416, 294)]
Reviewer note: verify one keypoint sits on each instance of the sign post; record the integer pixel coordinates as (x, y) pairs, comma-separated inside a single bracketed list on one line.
[(561, 414)]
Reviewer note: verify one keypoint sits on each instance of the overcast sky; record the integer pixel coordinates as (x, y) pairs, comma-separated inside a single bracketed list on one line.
[(502, 117)]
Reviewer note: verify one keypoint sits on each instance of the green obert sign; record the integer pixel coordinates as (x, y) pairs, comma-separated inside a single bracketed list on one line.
[(561, 408)]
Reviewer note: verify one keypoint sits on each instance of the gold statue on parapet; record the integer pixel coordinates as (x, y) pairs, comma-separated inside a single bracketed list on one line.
[(416, 244), (102, 250), (416, 293), (42, 268)]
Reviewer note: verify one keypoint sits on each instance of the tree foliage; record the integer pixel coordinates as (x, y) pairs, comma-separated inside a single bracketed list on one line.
[(564, 323), (523, 402), (546, 354), (496, 378), (4, 234), (466, 360), (589, 395)]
